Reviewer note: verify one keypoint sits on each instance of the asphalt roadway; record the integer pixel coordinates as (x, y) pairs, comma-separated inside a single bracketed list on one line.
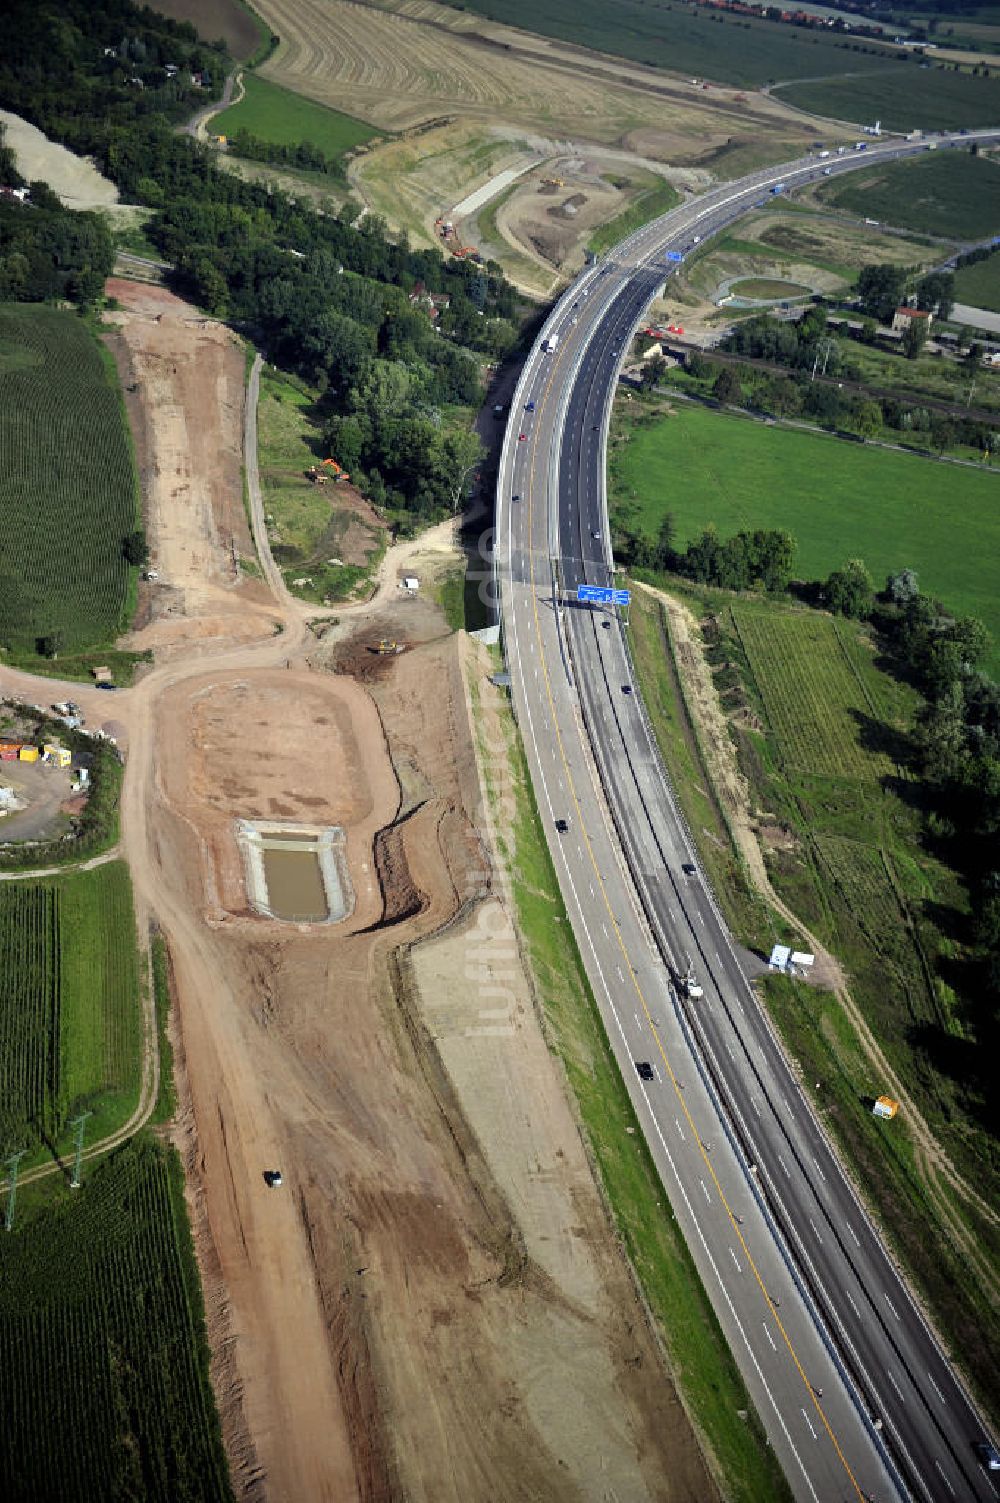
[(854, 1393)]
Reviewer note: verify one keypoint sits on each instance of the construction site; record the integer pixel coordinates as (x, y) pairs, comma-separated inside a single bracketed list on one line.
[(429, 1295)]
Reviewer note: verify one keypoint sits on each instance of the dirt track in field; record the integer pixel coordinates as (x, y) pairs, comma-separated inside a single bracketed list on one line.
[(433, 1306)]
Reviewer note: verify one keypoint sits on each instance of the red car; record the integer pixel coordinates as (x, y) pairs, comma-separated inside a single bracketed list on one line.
[(521, 437)]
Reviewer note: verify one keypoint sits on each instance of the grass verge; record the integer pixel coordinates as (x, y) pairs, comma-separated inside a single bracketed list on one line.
[(707, 1376), (650, 205)]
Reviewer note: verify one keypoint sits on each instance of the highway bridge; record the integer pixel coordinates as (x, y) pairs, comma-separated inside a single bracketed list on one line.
[(854, 1392)]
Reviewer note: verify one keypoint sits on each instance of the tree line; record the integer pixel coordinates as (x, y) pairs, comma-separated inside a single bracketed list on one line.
[(305, 156), (814, 358)]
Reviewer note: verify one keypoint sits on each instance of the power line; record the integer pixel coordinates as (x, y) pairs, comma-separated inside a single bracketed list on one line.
[(78, 1123), (12, 1164)]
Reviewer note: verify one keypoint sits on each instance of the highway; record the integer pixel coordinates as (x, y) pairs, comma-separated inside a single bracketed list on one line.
[(854, 1393)]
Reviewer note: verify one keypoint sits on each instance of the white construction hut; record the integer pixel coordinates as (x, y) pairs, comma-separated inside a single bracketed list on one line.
[(411, 583), (780, 957), (800, 961)]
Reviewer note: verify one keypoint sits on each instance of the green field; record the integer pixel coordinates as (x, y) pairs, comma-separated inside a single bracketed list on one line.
[(949, 193), (104, 1390), (838, 500), (276, 115), (70, 1026), (767, 287), (902, 96), (979, 284), (68, 492), (687, 38), (816, 723)]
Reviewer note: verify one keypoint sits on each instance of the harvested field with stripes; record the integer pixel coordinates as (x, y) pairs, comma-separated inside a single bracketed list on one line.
[(402, 65)]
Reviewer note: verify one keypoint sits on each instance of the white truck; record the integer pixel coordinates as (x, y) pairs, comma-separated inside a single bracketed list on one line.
[(690, 986), (549, 344)]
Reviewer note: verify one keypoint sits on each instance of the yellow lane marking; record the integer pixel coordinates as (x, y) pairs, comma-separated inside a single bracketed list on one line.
[(635, 980)]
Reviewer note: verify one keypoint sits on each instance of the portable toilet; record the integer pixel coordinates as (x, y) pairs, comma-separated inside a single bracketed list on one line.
[(885, 1107), (28, 754)]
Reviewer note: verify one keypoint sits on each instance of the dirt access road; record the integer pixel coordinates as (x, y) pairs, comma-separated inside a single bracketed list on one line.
[(433, 1307)]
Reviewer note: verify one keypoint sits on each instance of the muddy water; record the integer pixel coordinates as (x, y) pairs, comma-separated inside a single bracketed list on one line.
[(294, 884)]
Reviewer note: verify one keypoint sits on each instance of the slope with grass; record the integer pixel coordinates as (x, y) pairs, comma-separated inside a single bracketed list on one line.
[(310, 525), (839, 500), (949, 193), (104, 1390), (70, 1027), (68, 493)]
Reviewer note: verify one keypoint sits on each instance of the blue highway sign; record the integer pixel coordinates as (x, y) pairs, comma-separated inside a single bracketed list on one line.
[(598, 595), (674, 256)]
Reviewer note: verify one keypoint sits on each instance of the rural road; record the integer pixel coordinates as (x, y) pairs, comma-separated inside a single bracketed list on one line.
[(855, 1394)]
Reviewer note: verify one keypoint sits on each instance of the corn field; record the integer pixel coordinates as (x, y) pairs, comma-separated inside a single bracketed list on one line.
[(104, 1390), (68, 490)]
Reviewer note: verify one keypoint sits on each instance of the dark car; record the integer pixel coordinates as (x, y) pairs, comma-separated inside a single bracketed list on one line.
[(988, 1455), (562, 825), (689, 869), (529, 406), (626, 688), (273, 1179), (517, 497), (107, 686), (644, 1068), (606, 625)]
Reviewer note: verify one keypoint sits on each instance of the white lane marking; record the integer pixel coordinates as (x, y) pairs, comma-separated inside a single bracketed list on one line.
[(735, 1260), (805, 1416), (788, 1108), (853, 1233), (769, 1336), (895, 1384), (815, 1228), (784, 1167), (944, 1474), (889, 1302), (938, 1391), (853, 1305), (732, 1056), (680, 1129), (818, 1169), (635, 1014), (755, 1106), (705, 1189)]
